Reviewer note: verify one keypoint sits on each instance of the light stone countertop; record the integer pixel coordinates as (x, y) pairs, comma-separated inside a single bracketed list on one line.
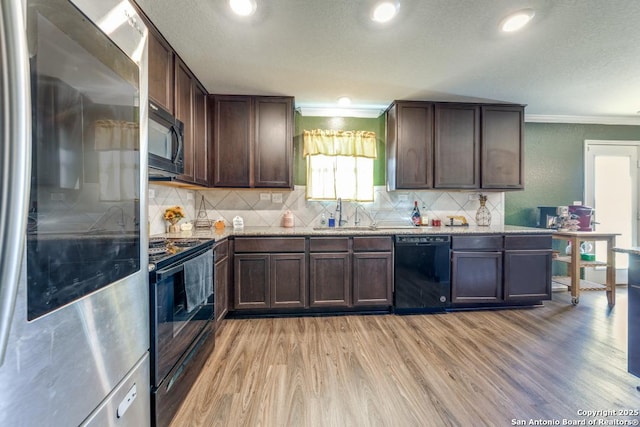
[(635, 250), (352, 231)]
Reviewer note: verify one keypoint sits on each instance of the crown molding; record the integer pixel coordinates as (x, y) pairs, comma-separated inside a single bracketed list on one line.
[(599, 120)]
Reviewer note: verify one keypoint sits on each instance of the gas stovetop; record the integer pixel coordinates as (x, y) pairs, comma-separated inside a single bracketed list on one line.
[(164, 251)]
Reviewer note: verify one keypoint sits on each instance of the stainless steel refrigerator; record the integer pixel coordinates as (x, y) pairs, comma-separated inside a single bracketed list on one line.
[(74, 307)]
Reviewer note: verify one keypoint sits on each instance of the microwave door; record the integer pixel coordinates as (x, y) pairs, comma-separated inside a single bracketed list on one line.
[(15, 154)]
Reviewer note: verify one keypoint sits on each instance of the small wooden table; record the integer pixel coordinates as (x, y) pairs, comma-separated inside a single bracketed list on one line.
[(575, 263)]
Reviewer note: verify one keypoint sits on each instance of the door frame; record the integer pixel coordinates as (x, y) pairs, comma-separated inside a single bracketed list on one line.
[(597, 274)]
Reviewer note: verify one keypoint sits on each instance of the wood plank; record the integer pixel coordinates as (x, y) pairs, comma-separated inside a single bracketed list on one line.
[(455, 369)]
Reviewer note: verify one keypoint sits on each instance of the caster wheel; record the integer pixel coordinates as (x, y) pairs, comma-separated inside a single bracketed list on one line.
[(575, 300)]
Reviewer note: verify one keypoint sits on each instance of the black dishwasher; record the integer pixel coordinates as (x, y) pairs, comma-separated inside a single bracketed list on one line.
[(422, 274)]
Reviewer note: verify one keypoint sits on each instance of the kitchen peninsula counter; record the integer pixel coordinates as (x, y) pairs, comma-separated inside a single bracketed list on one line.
[(635, 250), (633, 326)]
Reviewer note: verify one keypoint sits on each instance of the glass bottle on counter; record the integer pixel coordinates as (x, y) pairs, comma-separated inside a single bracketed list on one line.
[(415, 214), (483, 215)]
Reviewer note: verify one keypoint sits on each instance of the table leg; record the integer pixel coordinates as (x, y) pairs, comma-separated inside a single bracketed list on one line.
[(574, 268), (611, 271)]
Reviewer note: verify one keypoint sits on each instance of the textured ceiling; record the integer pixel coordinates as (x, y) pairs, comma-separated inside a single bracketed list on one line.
[(576, 58)]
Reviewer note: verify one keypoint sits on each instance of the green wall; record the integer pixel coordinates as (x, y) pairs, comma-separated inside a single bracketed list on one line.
[(376, 125), (554, 166)]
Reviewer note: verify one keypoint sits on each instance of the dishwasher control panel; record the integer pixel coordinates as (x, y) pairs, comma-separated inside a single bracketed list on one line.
[(411, 240)]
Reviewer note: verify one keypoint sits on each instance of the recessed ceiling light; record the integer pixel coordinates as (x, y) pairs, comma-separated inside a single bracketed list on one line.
[(243, 7), (343, 101), (516, 20), (385, 11)]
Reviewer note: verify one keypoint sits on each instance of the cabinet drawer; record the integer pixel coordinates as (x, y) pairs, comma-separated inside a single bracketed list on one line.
[(373, 243), (269, 244), (221, 250), (484, 243), (328, 244), (527, 242)]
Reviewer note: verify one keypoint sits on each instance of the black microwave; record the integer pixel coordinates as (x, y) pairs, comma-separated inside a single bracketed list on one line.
[(166, 144)]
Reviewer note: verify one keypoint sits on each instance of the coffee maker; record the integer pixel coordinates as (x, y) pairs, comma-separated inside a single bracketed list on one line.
[(547, 217), (584, 215), (575, 217)]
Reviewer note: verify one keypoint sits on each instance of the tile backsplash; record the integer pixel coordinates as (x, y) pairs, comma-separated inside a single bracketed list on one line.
[(266, 207)]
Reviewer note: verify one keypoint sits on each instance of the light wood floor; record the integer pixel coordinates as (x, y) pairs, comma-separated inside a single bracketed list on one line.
[(456, 369)]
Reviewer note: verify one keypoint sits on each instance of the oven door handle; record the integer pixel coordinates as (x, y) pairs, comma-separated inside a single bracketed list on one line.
[(171, 271)]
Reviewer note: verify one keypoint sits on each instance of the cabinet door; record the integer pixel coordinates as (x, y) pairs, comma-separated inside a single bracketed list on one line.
[(184, 113), (200, 135), (502, 160), (456, 146), (288, 281), (372, 279), (160, 71), (476, 277), (413, 156), (221, 279), (527, 275), (273, 144), (232, 134), (251, 280), (329, 282)]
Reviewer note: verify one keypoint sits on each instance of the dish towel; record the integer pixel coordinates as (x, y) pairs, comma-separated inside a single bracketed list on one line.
[(198, 279)]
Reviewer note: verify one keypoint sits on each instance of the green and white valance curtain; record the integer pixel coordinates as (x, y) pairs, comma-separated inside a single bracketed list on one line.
[(340, 164)]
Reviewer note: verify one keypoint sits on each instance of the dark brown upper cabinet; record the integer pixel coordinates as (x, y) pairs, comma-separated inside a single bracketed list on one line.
[(456, 146), (410, 145), (161, 69), (502, 147), (252, 141), (191, 109)]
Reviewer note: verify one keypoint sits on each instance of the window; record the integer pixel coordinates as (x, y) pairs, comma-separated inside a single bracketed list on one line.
[(340, 164)]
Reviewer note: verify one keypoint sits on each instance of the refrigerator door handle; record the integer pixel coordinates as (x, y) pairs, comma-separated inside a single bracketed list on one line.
[(15, 155)]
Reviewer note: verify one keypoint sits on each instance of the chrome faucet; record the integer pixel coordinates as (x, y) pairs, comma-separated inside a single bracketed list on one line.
[(356, 219), (341, 222)]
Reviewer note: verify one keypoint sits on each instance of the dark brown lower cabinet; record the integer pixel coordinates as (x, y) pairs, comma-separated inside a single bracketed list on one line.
[(251, 280), (351, 272), (269, 272), (527, 275), (372, 271), (288, 281), (476, 277), (265, 281), (329, 279), (372, 279), (500, 269)]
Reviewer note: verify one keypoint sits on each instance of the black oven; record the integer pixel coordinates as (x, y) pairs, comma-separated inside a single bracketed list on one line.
[(166, 144), (182, 333)]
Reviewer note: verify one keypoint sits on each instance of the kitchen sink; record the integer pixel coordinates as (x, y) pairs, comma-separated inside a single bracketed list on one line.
[(367, 227), (347, 228), (394, 227)]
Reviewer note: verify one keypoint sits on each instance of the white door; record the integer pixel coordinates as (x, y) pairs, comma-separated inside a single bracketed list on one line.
[(611, 188)]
